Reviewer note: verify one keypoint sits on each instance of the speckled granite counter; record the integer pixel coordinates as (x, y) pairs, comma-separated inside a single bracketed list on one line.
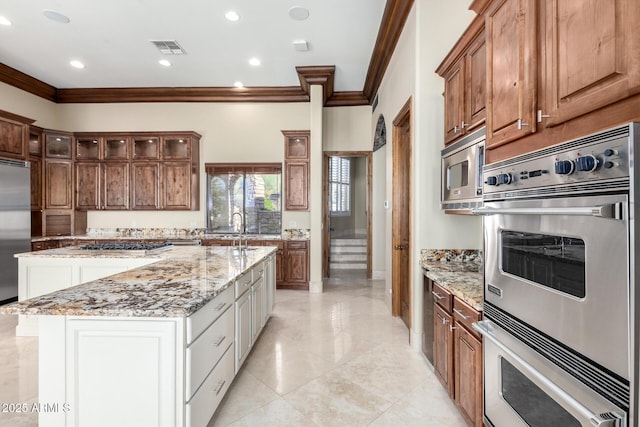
[(459, 271), (182, 280), (172, 233)]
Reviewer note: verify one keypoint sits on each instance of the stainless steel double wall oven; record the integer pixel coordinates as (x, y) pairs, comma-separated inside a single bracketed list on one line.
[(559, 320)]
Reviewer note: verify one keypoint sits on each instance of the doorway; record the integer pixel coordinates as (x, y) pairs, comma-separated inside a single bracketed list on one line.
[(401, 216), (347, 190)]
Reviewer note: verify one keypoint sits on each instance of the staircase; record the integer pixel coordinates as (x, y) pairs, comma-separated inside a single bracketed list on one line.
[(348, 254)]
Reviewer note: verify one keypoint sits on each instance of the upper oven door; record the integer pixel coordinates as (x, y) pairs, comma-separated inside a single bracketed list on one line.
[(562, 266)]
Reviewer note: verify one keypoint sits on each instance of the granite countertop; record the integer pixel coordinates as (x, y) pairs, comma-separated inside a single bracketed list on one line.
[(459, 273), (182, 280)]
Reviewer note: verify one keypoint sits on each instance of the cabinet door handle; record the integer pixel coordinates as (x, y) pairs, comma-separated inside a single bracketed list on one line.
[(398, 247), (444, 321), (451, 328), (463, 125), (455, 129), (437, 295), (461, 314), (220, 306), (217, 343), (521, 124), (219, 387)]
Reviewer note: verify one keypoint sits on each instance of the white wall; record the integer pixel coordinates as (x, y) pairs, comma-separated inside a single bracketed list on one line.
[(25, 104), (431, 30)]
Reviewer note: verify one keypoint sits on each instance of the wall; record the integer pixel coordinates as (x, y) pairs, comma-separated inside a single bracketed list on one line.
[(25, 104), (431, 30)]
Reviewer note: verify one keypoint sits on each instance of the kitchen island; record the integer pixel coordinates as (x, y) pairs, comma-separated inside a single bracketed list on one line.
[(156, 345)]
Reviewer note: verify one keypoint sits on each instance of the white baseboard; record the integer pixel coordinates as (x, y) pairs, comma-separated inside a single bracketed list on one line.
[(378, 274)]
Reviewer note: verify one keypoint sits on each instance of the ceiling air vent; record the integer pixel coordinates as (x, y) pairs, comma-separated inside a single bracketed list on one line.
[(168, 47)]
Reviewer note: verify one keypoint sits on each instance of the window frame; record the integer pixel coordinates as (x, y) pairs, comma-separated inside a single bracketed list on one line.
[(342, 184)]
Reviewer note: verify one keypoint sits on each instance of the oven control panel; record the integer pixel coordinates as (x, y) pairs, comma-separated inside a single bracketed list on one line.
[(583, 161)]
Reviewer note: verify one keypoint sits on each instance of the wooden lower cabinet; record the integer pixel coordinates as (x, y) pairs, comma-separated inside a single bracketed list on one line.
[(468, 375), (295, 265), (457, 354), (443, 348)]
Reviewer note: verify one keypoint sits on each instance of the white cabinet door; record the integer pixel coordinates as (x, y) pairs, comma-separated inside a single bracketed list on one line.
[(270, 285), (258, 307), (243, 328)]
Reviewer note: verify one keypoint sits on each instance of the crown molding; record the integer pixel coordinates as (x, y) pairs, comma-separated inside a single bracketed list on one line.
[(393, 20), (317, 75), (347, 99), (23, 81), (183, 94)]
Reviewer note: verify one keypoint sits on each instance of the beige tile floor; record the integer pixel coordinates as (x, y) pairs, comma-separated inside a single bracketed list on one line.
[(331, 359)]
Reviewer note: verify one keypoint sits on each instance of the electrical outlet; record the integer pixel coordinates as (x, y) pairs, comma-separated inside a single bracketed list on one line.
[(386, 204)]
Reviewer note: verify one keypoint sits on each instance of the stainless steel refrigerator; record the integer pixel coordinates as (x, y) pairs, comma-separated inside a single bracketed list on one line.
[(15, 223)]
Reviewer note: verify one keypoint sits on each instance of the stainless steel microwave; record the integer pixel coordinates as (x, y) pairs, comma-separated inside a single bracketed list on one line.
[(461, 180)]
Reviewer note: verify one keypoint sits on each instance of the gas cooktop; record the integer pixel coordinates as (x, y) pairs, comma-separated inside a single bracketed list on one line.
[(128, 246)]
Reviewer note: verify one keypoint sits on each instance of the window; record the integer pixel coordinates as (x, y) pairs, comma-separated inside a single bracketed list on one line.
[(340, 185), (244, 198)]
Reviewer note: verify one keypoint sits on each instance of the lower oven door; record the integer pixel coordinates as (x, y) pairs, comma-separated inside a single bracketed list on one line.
[(561, 265), (521, 388)]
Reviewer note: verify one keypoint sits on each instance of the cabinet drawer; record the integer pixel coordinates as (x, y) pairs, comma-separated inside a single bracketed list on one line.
[(257, 272), (443, 297), (465, 314), (243, 284), (203, 404), (296, 244), (201, 319), (205, 352)]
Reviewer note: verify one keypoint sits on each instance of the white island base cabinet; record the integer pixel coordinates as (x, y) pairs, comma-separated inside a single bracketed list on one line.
[(104, 371)]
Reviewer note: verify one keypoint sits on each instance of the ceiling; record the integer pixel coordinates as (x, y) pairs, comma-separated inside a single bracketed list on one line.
[(112, 38)]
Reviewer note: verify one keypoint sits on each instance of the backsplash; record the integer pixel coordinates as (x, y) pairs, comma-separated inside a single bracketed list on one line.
[(287, 234), (470, 257)]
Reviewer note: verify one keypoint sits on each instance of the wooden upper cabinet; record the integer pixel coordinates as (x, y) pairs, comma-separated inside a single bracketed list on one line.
[(59, 184), (454, 102), (115, 186), (296, 170), (58, 145), (591, 52), (35, 141), (36, 183), (14, 135), (145, 185), (116, 148), (176, 147), (464, 74), (176, 188), (146, 148), (511, 70), (88, 148), (88, 185)]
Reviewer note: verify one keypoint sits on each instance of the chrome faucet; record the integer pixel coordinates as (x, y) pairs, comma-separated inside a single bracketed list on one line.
[(241, 229)]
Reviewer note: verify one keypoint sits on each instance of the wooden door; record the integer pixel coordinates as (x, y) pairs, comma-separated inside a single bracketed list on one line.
[(297, 263), (59, 184), (454, 101), (176, 185), (401, 274), (88, 185), (115, 194), (511, 71), (468, 375), (591, 55), (443, 348), (145, 183)]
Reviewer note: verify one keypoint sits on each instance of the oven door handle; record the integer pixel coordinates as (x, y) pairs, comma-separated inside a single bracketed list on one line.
[(612, 210), (597, 420)]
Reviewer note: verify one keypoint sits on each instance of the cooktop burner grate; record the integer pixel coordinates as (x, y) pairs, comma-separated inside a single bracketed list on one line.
[(127, 246)]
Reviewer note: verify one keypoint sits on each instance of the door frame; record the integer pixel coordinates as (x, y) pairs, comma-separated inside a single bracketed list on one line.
[(326, 237), (403, 115)]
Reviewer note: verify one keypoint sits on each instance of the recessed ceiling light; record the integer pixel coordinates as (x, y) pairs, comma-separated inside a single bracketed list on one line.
[(255, 62), (76, 64), (164, 63), (299, 13), (5, 21), (238, 84), (55, 16), (232, 16)]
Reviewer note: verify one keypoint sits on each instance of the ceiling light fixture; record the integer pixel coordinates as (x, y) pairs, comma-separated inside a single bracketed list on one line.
[(5, 21), (232, 16), (76, 64), (164, 63), (255, 62), (238, 84), (55, 16), (298, 13)]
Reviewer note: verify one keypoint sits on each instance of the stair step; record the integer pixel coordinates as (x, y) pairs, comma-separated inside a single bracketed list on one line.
[(348, 242), (349, 257), (348, 250), (347, 266)]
